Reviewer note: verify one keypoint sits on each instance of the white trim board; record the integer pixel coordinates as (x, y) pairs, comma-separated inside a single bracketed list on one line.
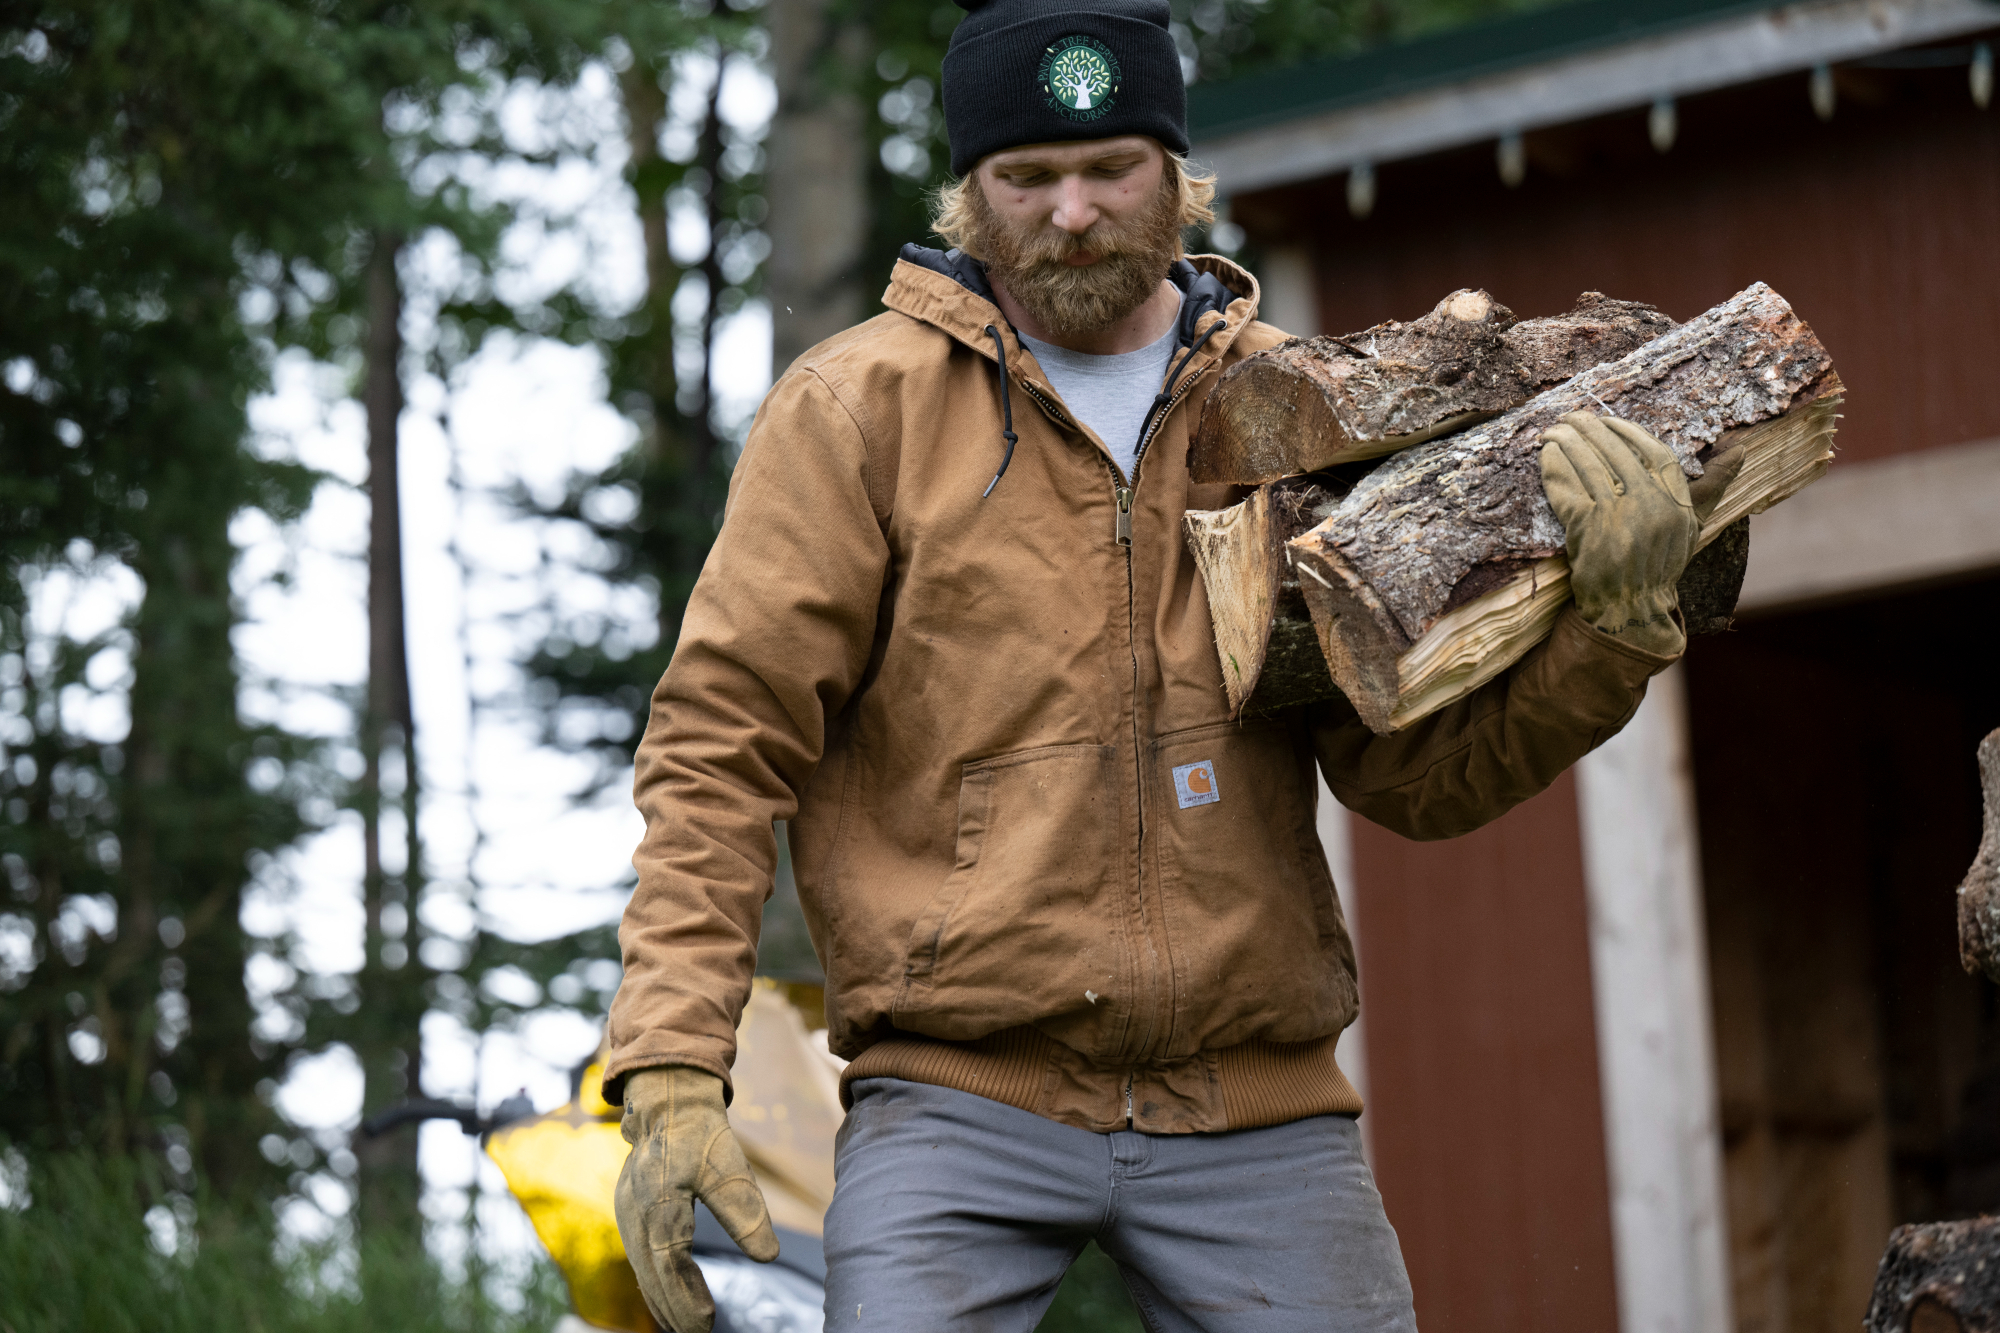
[(1655, 1055), (1695, 59), (1336, 838), (1886, 523)]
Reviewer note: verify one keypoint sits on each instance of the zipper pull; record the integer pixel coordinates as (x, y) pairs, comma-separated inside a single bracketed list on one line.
[(1128, 1101), (1124, 516)]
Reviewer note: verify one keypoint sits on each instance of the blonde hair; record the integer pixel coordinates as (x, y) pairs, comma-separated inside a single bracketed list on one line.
[(954, 217)]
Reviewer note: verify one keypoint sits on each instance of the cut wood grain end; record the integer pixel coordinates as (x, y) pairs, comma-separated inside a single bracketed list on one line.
[(1264, 637)]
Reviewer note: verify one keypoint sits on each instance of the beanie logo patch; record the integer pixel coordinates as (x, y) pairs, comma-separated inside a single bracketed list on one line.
[(1079, 78)]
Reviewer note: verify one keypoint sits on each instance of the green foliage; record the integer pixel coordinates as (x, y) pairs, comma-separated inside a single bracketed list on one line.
[(654, 513), (191, 185), (137, 177), (106, 1246), (1092, 1299)]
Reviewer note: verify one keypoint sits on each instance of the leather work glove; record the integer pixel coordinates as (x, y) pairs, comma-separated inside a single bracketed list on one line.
[(683, 1150), (1632, 521)]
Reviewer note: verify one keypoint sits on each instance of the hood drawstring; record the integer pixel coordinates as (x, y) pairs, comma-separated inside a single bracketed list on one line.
[(1166, 394), (1007, 414), (1160, 400)]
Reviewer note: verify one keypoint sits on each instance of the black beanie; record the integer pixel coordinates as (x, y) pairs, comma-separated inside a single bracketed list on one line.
[(1038, 71)]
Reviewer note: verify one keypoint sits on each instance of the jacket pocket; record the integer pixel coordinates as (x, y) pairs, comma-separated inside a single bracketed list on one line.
[(1259, 947), (1028, 928)]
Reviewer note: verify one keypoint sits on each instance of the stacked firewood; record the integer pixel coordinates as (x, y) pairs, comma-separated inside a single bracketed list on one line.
[(1407, 583)]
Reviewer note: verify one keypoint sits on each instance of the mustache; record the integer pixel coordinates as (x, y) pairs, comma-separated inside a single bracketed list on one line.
[(1052, 248)]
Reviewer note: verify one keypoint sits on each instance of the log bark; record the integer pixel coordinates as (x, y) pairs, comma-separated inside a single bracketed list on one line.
[(1938, 1277), (1310, 404), (1265, 640), (1979, 895), (1264, 636), (1444, 564)]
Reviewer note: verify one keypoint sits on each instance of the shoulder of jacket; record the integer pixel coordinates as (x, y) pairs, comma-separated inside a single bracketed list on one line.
[(1257, 336), (890, 341)]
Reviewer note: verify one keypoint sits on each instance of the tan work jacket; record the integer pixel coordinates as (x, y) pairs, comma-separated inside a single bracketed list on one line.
[(1040, 860)]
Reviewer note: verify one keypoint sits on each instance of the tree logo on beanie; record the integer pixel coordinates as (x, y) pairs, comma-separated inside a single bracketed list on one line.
[(1079, 77)]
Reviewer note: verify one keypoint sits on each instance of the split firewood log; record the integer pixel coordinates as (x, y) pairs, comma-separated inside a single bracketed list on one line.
[(1309, 404), (1264, 635), (1938, 1277), (1444, 565), (1979, 895)]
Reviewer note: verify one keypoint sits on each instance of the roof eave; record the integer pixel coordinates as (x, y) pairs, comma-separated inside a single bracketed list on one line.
[(1701, 57)]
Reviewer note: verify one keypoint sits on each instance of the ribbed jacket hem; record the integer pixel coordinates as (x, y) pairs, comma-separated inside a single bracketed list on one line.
[(1259, 1083), (1274, 1083)]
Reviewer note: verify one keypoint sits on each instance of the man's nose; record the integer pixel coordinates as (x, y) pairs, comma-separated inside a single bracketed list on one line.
[(1074, 213)]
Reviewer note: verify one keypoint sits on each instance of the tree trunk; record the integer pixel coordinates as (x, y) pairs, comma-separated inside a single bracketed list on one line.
[(1939, 1277), (387, 1024), (817, 182), (1308, 405), (1445, 564), (1979, 895)]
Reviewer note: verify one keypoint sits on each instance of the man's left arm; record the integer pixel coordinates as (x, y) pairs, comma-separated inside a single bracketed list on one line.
[(1632, 522)]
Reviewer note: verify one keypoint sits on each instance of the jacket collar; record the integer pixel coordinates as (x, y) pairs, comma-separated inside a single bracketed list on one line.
[(948, 289)]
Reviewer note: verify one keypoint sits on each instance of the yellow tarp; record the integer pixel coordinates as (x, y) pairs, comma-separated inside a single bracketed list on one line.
[(563, 1166)]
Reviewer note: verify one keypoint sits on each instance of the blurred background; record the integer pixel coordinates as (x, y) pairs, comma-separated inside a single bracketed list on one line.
[(370, 378)]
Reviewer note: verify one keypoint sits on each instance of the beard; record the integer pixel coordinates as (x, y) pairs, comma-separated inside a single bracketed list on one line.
[(1132, 259)]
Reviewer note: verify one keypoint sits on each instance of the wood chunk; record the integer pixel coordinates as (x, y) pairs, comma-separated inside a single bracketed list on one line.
[(1308, 404), (1270, 652), (1475, 641), (1383, 569), (1264, 636), (1417, 524), (1381, 572), (1597, 329), (1938, 1277), (1713, 580), (1979, 895)]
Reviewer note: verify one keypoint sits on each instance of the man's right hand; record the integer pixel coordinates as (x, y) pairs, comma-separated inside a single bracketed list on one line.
[(683, 1150)]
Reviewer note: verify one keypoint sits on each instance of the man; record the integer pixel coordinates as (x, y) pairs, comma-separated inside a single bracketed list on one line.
[(1081, 945)]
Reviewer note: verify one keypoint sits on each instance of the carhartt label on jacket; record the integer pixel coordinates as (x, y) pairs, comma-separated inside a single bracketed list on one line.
[(1194, 784)]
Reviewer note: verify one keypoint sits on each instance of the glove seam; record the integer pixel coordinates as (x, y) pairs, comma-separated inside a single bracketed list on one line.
[(1603, 639)]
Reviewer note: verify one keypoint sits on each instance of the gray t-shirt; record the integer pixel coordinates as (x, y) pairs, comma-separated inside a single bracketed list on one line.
[(1109, 394)]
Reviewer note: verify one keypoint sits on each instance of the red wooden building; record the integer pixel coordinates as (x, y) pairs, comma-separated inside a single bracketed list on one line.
[(1672, 1047)]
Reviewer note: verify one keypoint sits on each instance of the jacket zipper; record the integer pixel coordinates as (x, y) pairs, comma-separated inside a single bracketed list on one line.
[(1122, 490), (1153, 424), (1123, 534)]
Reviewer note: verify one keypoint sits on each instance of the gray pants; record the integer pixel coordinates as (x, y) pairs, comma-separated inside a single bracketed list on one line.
[(952, 1212)]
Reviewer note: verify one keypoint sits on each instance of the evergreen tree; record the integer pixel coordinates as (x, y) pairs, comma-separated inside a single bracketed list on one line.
[(140, 164)]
